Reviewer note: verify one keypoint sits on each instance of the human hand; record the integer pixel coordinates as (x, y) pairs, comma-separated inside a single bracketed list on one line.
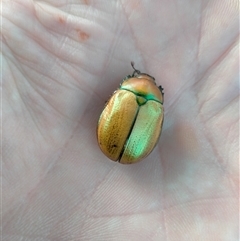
[(61, 62)]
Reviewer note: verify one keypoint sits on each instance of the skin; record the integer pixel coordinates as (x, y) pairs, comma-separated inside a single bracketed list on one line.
[(60, 62)]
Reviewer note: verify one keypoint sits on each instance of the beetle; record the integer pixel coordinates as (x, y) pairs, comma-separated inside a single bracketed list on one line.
[(131, 122)]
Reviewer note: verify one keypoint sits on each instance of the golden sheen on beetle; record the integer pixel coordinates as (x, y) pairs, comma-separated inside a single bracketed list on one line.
[(131, 122)]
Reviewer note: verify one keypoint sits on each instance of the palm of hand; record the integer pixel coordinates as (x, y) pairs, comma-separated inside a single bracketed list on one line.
[(59, 68)]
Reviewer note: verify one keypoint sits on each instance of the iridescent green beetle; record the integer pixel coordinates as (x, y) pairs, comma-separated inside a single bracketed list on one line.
[(131, 122)]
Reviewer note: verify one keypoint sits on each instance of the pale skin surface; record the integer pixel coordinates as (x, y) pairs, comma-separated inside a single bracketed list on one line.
[(61, 61)]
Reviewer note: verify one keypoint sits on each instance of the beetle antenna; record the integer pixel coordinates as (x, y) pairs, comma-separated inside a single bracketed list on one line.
[(132, 63), (136, 71)]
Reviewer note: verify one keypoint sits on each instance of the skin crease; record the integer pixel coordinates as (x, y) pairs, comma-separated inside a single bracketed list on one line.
[(60, 62)]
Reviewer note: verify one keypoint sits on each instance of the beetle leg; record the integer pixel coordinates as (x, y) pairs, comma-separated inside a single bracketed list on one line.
[(161, 89), (127, 77)]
